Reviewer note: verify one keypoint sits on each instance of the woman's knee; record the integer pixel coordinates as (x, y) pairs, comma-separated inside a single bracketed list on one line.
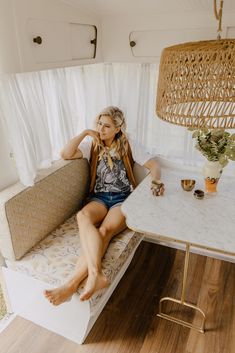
[(106, 234), (103, 231), (83, 216)]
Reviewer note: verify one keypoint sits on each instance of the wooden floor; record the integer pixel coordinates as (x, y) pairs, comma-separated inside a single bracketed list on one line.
[(129, 323)]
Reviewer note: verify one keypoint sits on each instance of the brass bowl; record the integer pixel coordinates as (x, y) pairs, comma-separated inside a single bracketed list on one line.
[(188, 184)]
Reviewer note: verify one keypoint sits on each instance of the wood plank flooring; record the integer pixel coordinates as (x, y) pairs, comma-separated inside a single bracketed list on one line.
[(129, 323)]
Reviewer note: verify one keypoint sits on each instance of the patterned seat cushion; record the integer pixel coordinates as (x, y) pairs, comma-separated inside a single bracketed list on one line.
[(53, 260)]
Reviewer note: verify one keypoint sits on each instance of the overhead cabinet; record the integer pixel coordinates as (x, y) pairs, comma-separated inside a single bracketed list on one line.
[(150, 43), (55, 41)]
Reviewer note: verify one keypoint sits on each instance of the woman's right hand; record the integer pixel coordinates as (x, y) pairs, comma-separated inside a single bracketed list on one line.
[(94, 134)]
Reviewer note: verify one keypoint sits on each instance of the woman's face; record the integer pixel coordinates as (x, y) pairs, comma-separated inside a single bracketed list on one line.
[(106, 128)]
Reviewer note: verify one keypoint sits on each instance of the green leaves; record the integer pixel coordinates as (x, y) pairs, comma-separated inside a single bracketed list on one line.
[(230, 152), (223, 160), (232, 137), (195, 134), (215, 144)]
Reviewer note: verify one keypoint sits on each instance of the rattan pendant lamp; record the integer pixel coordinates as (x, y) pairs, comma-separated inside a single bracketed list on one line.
[(196, 84)]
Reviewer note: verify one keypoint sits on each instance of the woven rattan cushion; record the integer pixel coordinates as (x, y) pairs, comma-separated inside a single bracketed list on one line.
[(34, 212)]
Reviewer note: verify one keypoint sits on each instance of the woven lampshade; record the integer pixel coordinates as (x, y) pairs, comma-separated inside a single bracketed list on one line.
[(196, 84)]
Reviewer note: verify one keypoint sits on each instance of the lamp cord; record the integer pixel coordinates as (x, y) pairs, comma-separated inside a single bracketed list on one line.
[(218, 16)]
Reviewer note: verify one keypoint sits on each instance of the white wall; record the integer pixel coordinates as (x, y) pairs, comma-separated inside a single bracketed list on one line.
[(116, 30), (9, 55), (16, 45)]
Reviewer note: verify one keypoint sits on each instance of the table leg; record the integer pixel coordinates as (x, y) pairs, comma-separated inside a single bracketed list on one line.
[(182, 301)]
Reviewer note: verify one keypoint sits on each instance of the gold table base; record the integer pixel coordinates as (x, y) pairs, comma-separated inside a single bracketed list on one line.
[(182, 301), (200, 328)]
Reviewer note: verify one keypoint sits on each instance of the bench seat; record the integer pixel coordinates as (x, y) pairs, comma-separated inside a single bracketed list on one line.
[(53, 260), (40, 244)]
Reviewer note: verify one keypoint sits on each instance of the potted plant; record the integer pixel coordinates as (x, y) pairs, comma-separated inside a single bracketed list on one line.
[(218, 146)]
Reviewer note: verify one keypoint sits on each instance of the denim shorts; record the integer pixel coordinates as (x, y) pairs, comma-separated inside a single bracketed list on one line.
[(109, 199)]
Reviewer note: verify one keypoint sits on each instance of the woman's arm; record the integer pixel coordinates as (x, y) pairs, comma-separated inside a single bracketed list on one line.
[(154, 168), (144, 158), (71, 150), (157, 186)]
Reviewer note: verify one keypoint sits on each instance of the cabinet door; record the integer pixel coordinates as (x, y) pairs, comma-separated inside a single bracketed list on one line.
[(57, 41), (83, 41), (151, 42), (230, 32)]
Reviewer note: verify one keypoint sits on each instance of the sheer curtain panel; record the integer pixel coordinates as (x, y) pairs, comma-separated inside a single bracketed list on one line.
[(43, 110)]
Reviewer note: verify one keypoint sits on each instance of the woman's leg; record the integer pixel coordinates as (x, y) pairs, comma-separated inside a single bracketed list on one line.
[(90, 215), (113, 223)]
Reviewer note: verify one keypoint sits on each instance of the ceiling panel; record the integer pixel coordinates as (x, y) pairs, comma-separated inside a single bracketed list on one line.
[(136, 7)]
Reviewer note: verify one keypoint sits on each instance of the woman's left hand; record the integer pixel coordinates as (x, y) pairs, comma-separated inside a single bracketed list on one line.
[(157, 188)]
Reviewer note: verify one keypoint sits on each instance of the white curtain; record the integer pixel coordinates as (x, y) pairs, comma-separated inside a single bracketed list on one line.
[(43, 110)]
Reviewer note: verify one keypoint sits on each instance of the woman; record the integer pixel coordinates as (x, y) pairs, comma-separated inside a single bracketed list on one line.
[(112, 180)]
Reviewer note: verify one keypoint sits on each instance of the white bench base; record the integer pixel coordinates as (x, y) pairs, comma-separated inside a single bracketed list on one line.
[(72, 319)]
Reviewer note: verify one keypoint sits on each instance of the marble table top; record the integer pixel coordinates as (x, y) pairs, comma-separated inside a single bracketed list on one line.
[(178, 216)]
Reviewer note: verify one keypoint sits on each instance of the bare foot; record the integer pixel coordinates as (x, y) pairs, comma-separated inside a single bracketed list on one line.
[(94, 282), (60, 295)]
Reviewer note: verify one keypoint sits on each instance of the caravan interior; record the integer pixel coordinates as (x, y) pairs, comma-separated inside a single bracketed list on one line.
[(61, 63)]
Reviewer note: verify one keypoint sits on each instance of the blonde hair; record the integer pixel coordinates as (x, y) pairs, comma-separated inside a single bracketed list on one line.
[(120, 141)]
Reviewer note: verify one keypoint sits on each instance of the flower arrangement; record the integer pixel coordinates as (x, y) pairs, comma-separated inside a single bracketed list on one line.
[(215, 144)]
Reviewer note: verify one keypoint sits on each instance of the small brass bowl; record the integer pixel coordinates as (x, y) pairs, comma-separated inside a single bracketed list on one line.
[(199, 194), (188, 184)]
